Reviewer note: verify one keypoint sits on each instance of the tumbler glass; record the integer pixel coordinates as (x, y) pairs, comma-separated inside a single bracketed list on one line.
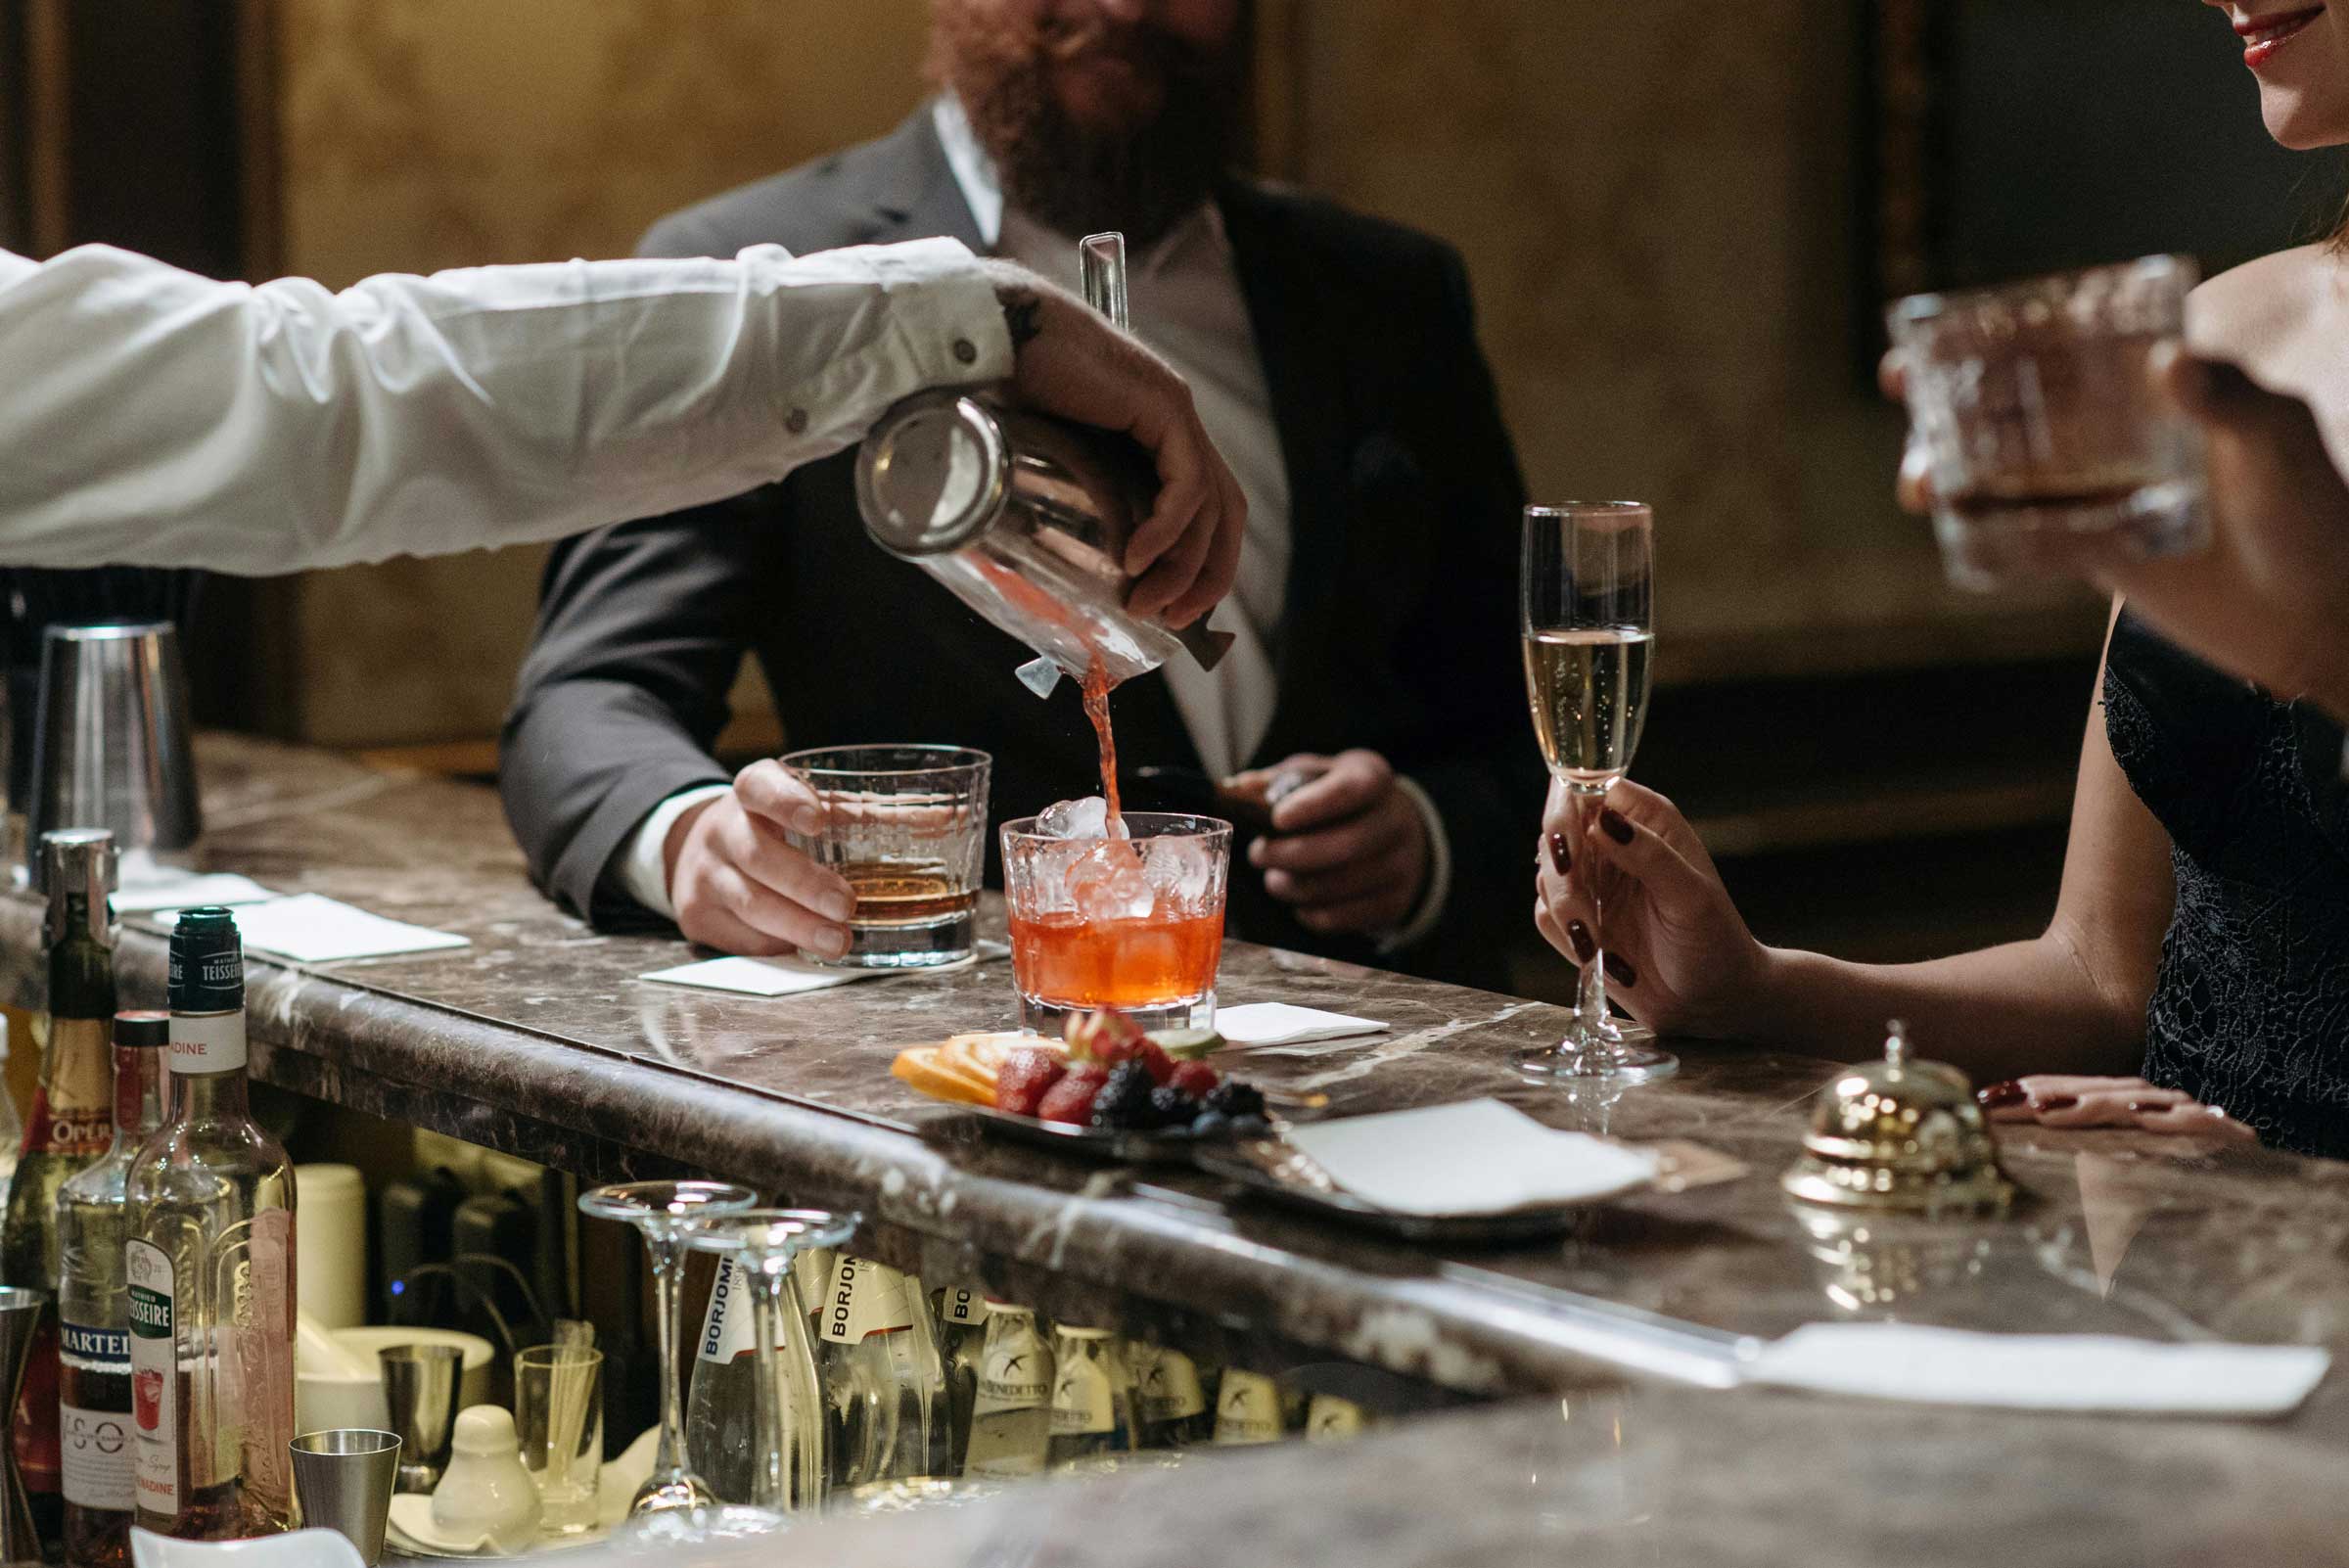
[(559, 1413), (2050, 448), (1135, 924), (906, 826)]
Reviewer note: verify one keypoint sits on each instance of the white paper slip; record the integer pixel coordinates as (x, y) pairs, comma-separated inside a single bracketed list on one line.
[(194, 890), (1477, 1157), (310, 928), (790, 975), (2041, 1371), (1282, 1024)]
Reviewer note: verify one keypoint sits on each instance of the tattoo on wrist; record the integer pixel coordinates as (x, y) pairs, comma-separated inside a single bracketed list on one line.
[(1023, 315)]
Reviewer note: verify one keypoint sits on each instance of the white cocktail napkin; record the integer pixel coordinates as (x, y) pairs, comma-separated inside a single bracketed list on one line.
[(790, 975), (1476, 1157), (1282, 1024), (2041, 1371), (310, 928), (188, 890)]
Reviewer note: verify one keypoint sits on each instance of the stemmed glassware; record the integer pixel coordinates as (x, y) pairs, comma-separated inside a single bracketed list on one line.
[(787, 1462), (662, 1212), (1587, 595)]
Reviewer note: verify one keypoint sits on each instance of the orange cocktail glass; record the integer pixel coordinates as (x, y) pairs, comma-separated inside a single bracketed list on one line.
[(1133, 924)]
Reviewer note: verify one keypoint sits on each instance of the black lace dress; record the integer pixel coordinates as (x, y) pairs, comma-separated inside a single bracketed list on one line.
[(2250, 1008)]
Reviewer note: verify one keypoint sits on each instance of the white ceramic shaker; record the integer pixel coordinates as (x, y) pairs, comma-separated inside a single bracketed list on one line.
[(485, 1491)]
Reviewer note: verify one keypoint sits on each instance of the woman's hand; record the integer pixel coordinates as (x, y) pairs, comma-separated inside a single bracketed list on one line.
[(1678, 957), (2061, 1100)]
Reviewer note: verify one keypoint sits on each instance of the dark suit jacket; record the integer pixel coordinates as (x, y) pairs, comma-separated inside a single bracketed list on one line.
[(1398, 634)]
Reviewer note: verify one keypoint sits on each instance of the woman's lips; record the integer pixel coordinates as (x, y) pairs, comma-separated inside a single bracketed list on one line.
[(2267, 34)]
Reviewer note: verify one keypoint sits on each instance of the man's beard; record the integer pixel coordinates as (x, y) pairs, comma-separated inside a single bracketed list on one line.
[(1074, 178)]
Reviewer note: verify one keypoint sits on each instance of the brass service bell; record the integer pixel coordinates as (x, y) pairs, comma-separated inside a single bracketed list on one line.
[(1900, 1136)]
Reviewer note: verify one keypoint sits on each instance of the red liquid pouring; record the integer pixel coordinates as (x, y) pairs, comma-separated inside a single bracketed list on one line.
[(1096, 709)]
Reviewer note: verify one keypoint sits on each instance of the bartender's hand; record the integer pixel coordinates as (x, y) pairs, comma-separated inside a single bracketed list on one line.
[(740, 887), (1072, 362), (1348, 848), (1679, 956)]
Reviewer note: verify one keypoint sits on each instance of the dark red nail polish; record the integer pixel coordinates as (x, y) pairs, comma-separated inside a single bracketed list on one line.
[(1580, 935), (1618, 826), (1559, 854), (2146, 1107), (1997, 1097), (2061, 1102), (1623, 974)]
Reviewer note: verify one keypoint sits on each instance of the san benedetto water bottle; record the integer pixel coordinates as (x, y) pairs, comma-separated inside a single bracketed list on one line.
[(210, 1269), (1011, 1414), (722, 1416)]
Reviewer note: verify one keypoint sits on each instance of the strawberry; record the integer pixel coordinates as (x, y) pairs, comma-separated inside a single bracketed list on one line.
[(1194, 1079), (1021, 1085), (1071, 1099), (1105, 1037), (1161, 1065)]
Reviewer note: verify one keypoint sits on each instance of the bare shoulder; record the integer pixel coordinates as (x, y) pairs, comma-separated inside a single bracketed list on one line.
[(2256, 313)]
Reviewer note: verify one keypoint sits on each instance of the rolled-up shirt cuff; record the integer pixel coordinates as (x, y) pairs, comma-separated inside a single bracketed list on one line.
[(644, 858), (1437, 892)]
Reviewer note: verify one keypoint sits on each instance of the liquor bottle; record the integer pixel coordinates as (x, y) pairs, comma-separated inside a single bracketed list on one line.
[(1171, 1409), (72, 1121), (882, 1377), (209, 1269), (1011, 1414), (94, 1331), (722, 1403), (962, 1351), (1248, 1409), (1092, 1397)]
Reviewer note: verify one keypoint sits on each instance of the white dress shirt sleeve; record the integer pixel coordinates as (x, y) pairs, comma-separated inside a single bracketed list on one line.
[(152, 417), (644, 858), (1439, 873)]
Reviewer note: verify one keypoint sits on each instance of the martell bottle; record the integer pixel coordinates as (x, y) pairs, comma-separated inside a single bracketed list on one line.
[(210, 1269), (72, 1121), (94, 1366)]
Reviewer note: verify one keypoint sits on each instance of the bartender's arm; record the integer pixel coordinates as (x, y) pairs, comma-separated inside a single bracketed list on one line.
[(152, 417)]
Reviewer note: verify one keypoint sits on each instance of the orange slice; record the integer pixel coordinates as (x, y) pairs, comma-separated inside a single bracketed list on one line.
[(922, 1069)]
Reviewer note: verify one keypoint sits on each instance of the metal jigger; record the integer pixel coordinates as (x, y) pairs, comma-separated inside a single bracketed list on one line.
[(20, 1315)]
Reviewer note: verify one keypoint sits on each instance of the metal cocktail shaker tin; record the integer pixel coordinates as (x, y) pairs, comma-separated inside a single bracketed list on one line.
[(1026, 519)]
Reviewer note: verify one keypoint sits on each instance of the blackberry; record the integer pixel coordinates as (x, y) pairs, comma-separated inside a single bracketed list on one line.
[(1173, 1107), (1123, 1103), (1237, 1099)]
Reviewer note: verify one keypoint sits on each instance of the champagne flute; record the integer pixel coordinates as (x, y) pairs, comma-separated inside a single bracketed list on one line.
[(1588, 591)]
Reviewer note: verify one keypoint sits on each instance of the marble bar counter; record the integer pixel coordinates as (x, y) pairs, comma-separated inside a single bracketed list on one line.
[(538, 1039)]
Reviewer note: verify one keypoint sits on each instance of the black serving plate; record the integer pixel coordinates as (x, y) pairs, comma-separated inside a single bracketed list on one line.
[(1163, 1146)]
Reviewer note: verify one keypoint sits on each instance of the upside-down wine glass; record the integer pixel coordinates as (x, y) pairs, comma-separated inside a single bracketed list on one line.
[(1587, 595), (661, 1211)]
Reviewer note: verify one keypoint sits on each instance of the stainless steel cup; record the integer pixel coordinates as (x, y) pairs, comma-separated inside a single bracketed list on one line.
[(420, 1391), (20, 1315), (343, 1479), (113, 743)]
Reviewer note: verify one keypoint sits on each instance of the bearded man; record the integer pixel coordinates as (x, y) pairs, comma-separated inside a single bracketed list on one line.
[(1334, 363)]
